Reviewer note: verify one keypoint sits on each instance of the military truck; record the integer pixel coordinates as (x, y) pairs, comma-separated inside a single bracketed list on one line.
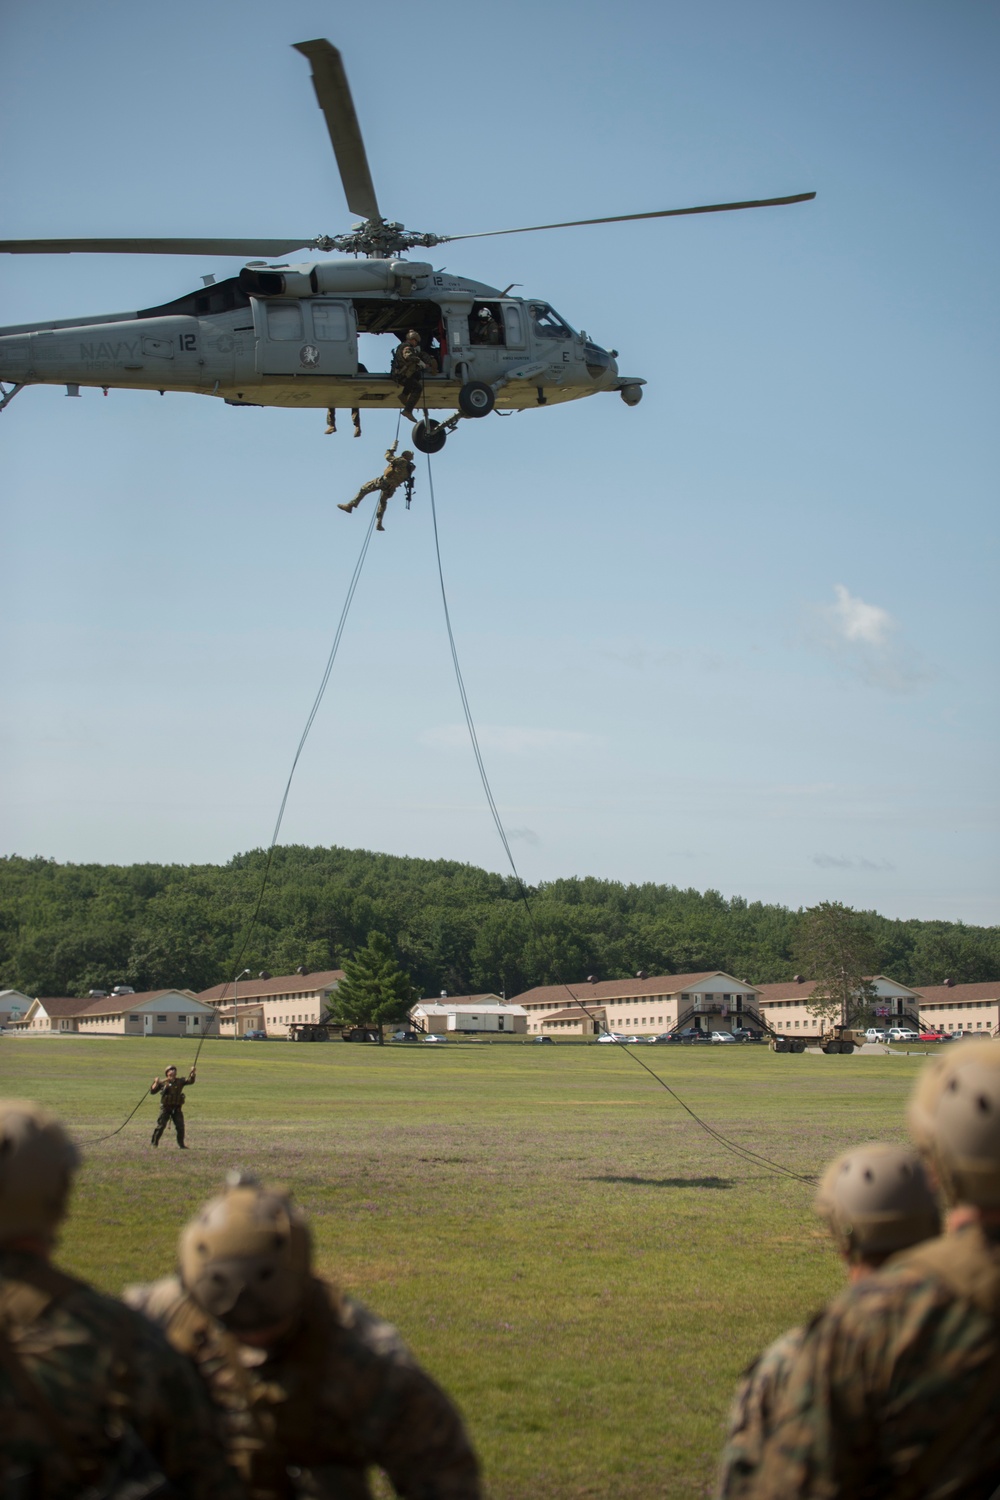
[(842, 1038)]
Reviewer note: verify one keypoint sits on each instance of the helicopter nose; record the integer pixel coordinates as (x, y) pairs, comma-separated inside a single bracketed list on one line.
[(601, 366)]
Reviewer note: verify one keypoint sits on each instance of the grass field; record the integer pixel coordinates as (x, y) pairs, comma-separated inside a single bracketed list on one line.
[(568, 1253)]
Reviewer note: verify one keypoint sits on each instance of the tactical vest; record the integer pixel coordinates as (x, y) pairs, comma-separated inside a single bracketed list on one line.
[(263, 1421)]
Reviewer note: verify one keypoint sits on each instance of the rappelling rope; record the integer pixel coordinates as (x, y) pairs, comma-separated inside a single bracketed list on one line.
[(752, 1158), (351, 590)]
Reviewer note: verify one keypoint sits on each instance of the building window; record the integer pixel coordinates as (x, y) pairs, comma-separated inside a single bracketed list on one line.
[(161, 1018)]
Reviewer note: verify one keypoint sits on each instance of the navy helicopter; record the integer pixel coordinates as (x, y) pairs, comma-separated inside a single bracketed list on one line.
[(287, 334)]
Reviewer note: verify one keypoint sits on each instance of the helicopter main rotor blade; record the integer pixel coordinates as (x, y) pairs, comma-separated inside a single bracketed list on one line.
[(333, 94), (661, 213), (243, 248)]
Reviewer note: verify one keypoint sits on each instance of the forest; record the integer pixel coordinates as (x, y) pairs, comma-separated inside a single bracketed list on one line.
[(68, 928)]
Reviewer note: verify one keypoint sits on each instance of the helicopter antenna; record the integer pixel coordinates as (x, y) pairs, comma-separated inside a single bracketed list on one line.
[(333, 94)]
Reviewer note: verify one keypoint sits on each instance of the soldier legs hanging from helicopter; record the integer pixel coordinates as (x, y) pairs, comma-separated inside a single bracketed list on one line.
[(397, 471), (331, 420)]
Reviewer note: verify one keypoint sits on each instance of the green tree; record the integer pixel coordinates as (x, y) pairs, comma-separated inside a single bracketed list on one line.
[(836, 948), (374, 988)]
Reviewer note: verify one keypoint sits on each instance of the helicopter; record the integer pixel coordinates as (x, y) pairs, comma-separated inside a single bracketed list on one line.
[(286, 335)]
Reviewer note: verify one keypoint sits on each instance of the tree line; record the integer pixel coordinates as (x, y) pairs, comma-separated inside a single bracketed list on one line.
[(68, 928)]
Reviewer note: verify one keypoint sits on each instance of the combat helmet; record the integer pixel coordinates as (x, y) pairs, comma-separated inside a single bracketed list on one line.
[(245, 1258), (954, 1119), (406, 453), (876, 1199), (37, 1162)]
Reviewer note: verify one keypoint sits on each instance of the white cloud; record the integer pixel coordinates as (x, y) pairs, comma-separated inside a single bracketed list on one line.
[(857, 621), (863, 639), (504, 738)]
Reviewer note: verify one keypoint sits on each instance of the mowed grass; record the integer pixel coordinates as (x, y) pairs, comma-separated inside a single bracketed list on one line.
[(582, 1267)]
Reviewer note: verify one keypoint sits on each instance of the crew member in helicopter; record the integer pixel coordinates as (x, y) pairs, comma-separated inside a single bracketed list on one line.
[(485, 328), (397, 471), (410, 364)]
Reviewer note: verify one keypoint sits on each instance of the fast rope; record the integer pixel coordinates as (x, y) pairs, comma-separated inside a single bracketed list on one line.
[(351, 590), (744, 1153)]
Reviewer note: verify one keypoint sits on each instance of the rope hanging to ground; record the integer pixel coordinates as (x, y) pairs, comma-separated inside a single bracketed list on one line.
[(351, 590), (745, 1153)]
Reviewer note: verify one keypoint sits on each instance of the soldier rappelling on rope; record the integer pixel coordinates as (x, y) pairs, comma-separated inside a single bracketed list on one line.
[(398, 470), (171, 1104)]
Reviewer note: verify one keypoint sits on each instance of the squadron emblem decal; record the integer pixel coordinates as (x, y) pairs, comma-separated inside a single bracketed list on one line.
[(309, 355)]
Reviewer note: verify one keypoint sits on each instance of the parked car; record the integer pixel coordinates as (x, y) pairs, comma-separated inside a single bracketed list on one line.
[(693, 1034), (433, 1036), (876, 1034), (721, 1036), (902, 1034), (611, 1036), (255, 1036), (405, 1036), (550, 1040), (932, 1036), (631, 1040), (664, 1036), (744, 1034)]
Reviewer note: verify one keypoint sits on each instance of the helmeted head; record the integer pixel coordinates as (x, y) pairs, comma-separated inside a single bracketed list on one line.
[(407, 453), (485, 314), (170, 1071), (876, 1200), (412, 336), (37, 1162), (245, 1258), (954, 1119)]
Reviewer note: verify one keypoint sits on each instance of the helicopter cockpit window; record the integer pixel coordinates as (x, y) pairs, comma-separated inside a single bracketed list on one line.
[(284, 320), (547, 323)]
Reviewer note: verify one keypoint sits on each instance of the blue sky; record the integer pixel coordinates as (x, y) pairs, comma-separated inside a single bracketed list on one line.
[(742, 636)]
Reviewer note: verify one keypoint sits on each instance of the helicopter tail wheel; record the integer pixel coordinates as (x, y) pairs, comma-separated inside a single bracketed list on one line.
[(476, 399), (429, 436)]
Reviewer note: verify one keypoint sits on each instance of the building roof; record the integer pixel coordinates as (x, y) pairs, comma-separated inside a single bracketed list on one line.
[(454, 1008), (801, 989), (117, 1005), (279, 984), (786, 989), (61, 1005), (624, 989), (574, 1013), (935, 994), (487, 998)]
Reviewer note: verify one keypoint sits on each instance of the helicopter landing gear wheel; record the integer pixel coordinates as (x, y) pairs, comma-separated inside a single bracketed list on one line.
[(476, 399), (429, 436)]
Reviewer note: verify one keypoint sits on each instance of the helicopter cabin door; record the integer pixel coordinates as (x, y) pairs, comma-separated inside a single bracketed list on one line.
[(314, 336)]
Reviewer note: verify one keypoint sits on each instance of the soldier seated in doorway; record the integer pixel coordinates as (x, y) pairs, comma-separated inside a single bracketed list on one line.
[(876, 1200), (311, 1389)]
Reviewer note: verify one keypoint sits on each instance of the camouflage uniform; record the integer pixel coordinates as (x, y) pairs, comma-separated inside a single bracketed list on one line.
[(340, 1393), (171, 1105), (751, 1415), (896, 1391), (399, 469), (409, 366), (93, 1402)]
